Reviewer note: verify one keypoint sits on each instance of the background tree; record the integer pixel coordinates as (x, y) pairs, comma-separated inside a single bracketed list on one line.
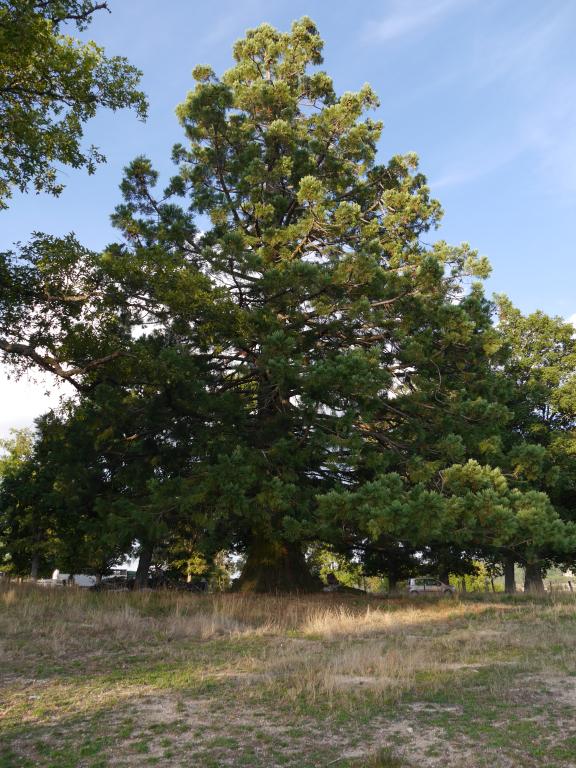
[(27, 510), (539, 375), (51, 84), (109, 324), (347, 568), (15, 452), (55, 503)]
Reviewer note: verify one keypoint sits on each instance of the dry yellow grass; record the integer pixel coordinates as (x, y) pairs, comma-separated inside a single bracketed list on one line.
[(51, 614), (70, 656)]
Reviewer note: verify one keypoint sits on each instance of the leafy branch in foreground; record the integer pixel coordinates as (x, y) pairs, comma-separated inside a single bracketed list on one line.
[(51, 84)]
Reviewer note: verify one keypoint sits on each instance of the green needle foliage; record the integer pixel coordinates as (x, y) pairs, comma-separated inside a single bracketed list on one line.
[(328, 282), (305, 368), (540, 379)]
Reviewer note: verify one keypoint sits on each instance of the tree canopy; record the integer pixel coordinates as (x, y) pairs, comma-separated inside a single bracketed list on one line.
[(51, 84), (303, 368)]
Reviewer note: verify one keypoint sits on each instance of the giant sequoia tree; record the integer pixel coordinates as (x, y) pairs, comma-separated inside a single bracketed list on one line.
[(304, 368), (333, 303)]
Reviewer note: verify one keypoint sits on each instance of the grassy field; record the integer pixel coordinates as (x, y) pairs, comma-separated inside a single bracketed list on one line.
[(179, 680)]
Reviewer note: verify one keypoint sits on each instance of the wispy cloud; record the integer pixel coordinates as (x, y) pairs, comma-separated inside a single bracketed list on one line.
[(516, 50), (528, 64), (407, 16), (551, 133), (483, 164), (521, 73)]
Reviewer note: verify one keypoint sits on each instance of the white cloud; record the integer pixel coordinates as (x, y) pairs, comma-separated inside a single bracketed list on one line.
[(485, 162), (572, 319), (520, 73), (408, 16), (525, 61), (551, 133), (23, 400)]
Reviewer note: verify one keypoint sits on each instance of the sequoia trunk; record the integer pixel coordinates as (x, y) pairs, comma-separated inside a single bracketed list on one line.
[(276, 566)]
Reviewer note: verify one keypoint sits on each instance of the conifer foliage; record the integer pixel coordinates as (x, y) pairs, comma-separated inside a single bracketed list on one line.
[(300, 368)]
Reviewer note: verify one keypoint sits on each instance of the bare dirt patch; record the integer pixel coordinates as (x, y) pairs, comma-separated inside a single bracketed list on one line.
[(90, 681)]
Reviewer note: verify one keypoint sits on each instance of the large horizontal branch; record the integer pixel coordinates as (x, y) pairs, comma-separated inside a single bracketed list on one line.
[(45, 7), (52, 365)]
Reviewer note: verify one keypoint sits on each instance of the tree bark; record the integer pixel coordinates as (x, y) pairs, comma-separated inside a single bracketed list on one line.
[(509, 579), (35, 566), (533, 581), (144, 562), (276, 566)]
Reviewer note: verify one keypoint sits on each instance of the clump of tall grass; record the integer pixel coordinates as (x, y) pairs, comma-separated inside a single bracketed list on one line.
[(328, 616), (72, 617)]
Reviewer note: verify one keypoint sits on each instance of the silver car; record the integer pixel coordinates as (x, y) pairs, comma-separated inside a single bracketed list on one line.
[(425, 585)]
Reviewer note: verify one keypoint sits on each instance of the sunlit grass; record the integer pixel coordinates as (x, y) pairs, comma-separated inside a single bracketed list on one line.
[(110, 671)]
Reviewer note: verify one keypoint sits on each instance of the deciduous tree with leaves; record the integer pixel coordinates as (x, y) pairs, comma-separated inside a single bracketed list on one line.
[(51, 84)]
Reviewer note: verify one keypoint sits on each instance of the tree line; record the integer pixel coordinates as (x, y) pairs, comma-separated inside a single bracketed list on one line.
[(271, 357)]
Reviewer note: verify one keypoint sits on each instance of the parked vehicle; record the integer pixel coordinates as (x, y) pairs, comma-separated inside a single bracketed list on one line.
[(113, 582), (426, 585), (59, 579), (157, 579)]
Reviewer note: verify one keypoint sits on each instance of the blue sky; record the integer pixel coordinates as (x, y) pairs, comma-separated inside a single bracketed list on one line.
[(483, 90)]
